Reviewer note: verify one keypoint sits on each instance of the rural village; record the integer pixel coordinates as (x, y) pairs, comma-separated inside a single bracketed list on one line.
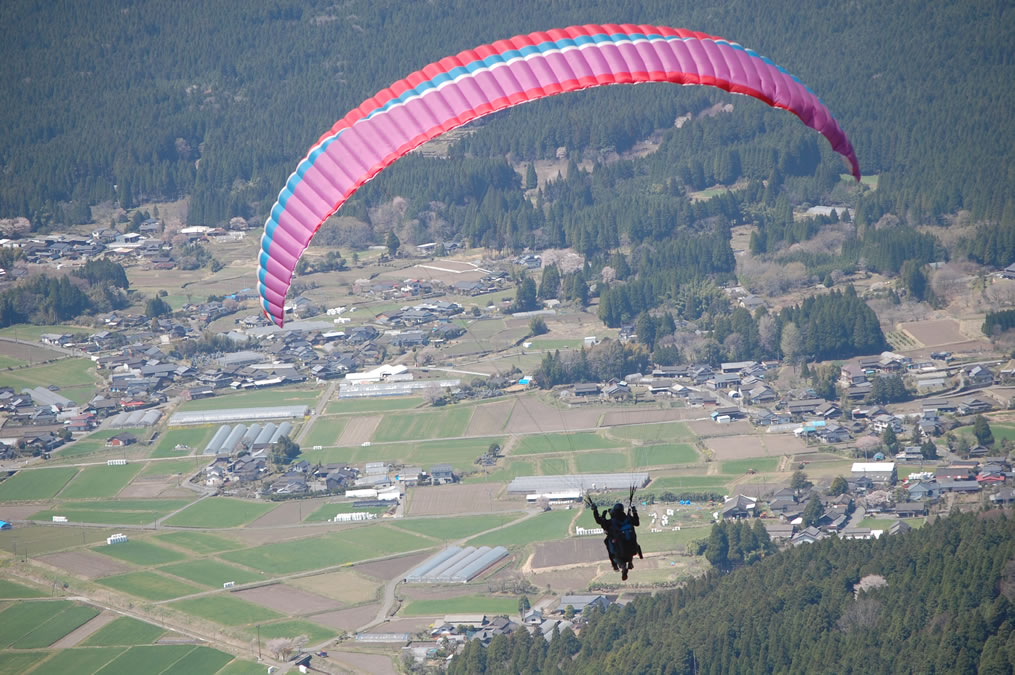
[(413, 403)]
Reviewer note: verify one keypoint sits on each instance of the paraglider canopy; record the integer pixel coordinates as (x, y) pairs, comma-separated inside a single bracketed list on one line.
[(458, 89)]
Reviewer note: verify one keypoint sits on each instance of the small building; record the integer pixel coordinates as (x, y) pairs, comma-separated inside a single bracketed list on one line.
[(880, 473), (579, 603), (122, 439), (441, 474), (118, 538)]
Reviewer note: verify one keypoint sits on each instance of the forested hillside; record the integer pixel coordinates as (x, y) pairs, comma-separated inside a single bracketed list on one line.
[(937, 600), (218, 100)]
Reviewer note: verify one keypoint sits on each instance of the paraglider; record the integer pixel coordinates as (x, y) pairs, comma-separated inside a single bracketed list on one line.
[(459, 89), (621, 538)]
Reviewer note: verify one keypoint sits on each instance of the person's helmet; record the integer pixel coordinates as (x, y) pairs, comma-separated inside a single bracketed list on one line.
[(618, 510)]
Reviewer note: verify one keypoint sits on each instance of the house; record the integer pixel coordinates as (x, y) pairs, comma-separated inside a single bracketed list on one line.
[(1004, 495), (586, 389), (618, 390), (441, 474), (740, 506), (974, 405), (807, 406), (911, 453), (960, 486), (122, 439), (760, 395), (808, 536), (580, 603), (880, 473), (979, 376), (832, 433), (910, 509)]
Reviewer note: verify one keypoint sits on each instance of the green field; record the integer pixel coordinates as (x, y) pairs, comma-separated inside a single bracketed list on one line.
[(76, 377), (220, 512), (95, 443), (211, 572), (146, 659), (139, 552), (716, 483), (149, 585), (114, 512), (193, 437), (58, 626), (601, 462), (260, 397), (362, 405), (554, 466), (663, 431), (663, 454), (543, 527), (9, 589), (33, 332), (536, 444), (503, 474), (100, 481), (173, 467), (226, 609), (21, 662), (325, 432), (200, 660), (350, 545), (21, 618), (459, 527), (446, 423), (294, 628), (199, 542), (759, 464), (76, 661), (460, 453), (37, 540), (466, 604), (34, 484), (125, 631), (328, 511), (239, 667)]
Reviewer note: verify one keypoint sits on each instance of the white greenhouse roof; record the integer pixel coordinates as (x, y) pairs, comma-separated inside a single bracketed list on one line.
[(238, 415)]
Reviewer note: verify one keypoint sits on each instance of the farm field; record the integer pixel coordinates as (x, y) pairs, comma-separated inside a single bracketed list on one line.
[(461, 453), (354, 406), (35, 484), (703, 483), (172, 467), (125, 631), (226, 610), (601, 462), (460, 527), (114, 512), (663, 454), (195, 437), (75, 375), (21, 618), (9, 589), (543, 527), (146, 659), (325, 432), (36, 540), (467, 604), (351, 545), (220, 512), (149, 585), (82, 661), (446, 423), (508, 471), (199, 542), (295, 627), (665, 431), (100, 481), (328, 511), (21, 662), (141, 553), (211, 572), (95, 443), (251, 399), (563, 442), (56, 627), (33, 332), (759, 464)]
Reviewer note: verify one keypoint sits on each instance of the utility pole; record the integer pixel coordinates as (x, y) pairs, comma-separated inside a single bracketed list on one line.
[(258, 642)]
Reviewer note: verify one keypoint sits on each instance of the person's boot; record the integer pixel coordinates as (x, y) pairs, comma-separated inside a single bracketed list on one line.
[(623, 575)]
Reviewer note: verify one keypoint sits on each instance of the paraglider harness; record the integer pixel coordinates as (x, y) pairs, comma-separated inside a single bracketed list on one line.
[(621, 538)]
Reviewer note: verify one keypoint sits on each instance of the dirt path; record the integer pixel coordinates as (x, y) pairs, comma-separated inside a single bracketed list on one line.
[(322, 403), (72, 638)]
